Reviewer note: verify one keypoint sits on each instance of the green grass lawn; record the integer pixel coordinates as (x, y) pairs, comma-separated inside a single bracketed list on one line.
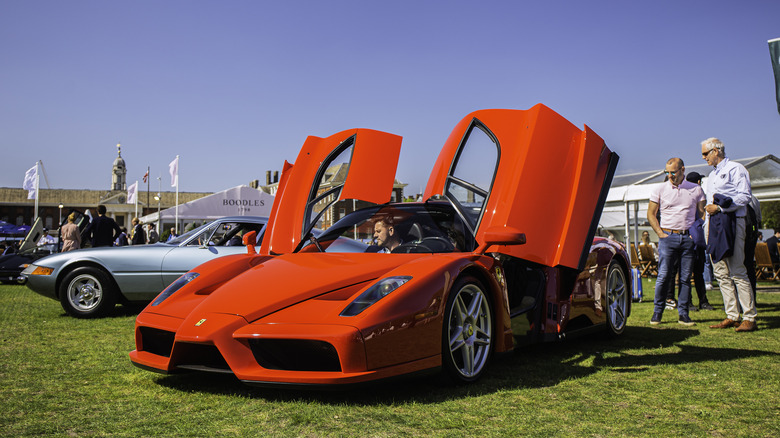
[(62, 376)]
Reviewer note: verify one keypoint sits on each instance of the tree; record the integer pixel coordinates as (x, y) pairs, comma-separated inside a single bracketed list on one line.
[(770, 214)]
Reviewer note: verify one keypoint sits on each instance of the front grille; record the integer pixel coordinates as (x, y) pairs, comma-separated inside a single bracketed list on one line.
[(156, 341), (199, 356), (295, 354)]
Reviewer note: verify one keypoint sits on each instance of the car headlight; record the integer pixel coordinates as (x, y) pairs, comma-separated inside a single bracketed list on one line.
[(173, 287), (379, 290), (36, 270)]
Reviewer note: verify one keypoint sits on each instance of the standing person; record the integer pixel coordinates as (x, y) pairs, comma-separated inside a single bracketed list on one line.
[(103, 230), (771, 243), (752, 225), (678, 201), (122, 239), (728, 181), (70, 234), (152, 234), (139, 236), (699, 252)]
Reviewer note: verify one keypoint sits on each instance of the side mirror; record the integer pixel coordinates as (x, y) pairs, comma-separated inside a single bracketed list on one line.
[(501, 236), (249, 241)]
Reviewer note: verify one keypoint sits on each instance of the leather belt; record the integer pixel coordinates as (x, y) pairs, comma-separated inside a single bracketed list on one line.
[(683, 232)]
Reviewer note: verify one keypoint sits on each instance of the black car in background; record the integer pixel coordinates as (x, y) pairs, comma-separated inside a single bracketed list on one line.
[(13, 262)]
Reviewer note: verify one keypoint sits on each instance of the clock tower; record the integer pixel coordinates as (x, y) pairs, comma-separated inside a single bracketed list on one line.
[(119, 172)]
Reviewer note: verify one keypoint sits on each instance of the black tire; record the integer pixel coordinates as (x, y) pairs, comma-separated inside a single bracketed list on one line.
[(88, 293), (617, 299), (467, 331)]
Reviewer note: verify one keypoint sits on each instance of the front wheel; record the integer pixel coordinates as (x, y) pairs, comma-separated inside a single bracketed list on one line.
[(617, 299), (87, 293), (467, 334)]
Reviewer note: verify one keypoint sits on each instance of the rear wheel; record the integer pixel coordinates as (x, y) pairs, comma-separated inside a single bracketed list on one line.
[(617, 299), (467, 333), (88, 293)]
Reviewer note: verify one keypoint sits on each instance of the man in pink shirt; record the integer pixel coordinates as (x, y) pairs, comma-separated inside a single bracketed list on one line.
[(679, 202)]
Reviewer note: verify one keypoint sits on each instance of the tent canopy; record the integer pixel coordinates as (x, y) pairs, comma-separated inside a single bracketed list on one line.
[(237, 201)]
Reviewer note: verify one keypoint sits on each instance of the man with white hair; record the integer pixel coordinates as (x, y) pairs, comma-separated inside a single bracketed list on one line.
[(729, 179)]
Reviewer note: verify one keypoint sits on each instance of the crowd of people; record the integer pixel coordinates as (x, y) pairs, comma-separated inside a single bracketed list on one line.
[(103, 231), (696, 226)]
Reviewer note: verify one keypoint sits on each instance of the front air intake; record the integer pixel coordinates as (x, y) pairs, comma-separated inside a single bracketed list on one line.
[(201, 357), (156, 341), (295, 354)]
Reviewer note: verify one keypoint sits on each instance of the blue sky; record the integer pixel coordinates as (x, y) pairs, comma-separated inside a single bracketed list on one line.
[(234, 87)]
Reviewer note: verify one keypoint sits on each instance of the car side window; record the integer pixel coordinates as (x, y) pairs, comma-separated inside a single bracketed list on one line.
[(330, 180), (471, 176)]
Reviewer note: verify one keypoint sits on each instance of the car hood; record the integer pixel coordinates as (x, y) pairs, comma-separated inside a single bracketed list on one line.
[(12, 261), (290, 279)]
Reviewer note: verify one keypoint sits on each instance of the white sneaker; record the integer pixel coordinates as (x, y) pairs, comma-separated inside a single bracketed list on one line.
[(708, 286)]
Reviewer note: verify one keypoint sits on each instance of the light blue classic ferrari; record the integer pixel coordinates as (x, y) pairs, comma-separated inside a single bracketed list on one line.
[(90, 282)]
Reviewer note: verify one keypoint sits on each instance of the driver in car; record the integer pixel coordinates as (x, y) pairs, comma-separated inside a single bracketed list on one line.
[(385, 234)]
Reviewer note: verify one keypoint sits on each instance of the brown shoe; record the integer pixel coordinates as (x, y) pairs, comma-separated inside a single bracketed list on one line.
[(726, 323), (746, 326)]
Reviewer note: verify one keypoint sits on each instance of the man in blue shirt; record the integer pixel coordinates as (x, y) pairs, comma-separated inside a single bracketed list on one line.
[(730, 179)]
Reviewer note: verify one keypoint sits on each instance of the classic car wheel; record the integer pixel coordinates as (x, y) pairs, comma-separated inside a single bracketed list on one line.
[(87, 293), (467, 337), (617, 299)]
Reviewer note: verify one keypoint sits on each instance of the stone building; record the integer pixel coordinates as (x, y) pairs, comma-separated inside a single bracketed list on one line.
[(54, 204)]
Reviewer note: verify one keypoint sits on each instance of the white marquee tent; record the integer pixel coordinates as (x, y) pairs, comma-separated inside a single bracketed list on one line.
[(237, 201)]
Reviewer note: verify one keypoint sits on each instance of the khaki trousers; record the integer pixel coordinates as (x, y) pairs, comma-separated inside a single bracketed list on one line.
[(733, 280)]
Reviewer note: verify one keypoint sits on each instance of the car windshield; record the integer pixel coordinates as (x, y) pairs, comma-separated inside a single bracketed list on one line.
[(397, 228), (218, 233), (186, 236)]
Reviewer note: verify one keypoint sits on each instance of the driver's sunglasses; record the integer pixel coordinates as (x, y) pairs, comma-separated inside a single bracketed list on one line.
[(671, 174)]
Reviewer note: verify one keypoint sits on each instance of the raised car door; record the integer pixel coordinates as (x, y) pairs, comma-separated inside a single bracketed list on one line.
[(354, 164), (531, 172)]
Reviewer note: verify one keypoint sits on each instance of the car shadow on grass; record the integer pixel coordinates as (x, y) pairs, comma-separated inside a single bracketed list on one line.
[(120, 311), (538, 366)]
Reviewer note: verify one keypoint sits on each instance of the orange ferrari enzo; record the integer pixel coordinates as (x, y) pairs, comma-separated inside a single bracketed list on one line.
[(498, 253)]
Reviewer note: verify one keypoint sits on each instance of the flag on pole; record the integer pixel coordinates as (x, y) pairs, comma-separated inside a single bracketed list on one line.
[(146, 175), (132, 193), (774, 51), (173, 168), (30, 178)]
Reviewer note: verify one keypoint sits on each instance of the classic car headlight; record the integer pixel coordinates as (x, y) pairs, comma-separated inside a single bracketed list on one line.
[(379, 290), (36, 270), (176, 285)]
